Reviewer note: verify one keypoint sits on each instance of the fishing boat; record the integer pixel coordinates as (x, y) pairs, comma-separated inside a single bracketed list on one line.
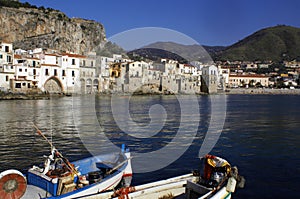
[(217, 180), (60, 179)]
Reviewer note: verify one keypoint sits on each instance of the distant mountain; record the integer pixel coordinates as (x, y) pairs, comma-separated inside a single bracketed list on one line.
[(154, 54), (175, 51), (109, 49), (213, 50), (275, 43)]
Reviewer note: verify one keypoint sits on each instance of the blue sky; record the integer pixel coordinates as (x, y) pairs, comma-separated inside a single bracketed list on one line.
[(209, 22)]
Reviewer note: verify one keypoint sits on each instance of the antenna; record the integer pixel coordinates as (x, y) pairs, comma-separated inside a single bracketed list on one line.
[(51, 122)]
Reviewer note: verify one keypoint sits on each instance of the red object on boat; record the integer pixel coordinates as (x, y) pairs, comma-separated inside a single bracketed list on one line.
[(122, 193), (12, 184)]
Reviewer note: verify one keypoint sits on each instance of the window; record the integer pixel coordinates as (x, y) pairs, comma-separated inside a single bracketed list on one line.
[(73, 73), (8, 58), (6, 78), (34, 72), (28, 85), (18, 85), (73, 61), (20, 69), (1, 56), (55, 72), (7, 49), (63, 73), (23, 84), (46, 71), (83, 62), (92, 63)]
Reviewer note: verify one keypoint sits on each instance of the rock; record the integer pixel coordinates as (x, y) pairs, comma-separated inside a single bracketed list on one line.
[(30, 28)]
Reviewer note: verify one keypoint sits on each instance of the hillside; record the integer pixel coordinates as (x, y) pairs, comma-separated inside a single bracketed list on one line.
[(270, 44), (275, 43), (175, 51), (154, 54), (28, 27)]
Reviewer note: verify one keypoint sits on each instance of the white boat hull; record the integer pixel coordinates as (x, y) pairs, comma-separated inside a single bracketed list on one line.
[(177, 187), (108, 183)]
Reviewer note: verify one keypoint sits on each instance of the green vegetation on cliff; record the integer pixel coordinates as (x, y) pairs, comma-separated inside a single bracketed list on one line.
[(29, 27), (17, 4)]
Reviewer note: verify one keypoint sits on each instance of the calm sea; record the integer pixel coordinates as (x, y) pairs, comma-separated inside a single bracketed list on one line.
[(260, 135)]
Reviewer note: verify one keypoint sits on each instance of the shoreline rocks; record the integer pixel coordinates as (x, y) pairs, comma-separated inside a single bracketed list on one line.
[(249, 91), (23, 96)]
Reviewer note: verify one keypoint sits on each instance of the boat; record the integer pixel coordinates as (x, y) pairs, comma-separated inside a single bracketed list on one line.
[(218, 180), (60, 179)]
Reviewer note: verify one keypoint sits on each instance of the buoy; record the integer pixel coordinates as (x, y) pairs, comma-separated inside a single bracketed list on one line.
[(230, 187), (12, 184)]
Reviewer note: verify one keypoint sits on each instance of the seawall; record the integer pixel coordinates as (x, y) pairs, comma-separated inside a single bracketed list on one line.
[(266, 91)]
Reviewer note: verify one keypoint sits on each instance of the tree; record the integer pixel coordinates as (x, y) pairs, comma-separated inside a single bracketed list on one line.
[(258, 85), (251, 83)]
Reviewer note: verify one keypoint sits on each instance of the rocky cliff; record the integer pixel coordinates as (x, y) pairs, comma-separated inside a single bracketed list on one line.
[(29, 28)]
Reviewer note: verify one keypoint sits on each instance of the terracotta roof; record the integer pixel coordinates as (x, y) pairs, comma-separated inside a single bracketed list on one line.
[(17, 56), (188, 65), (248, 75), (73, 55), (49, 54), (32, 58)]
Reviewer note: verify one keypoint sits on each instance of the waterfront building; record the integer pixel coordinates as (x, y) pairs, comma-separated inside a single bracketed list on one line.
[(89, 75), (224, 76), (47, 70), (6, 53), (152, 77), (109, 72), (132, 77), (247, 80), (209, 83), (41, 70), (21, 81), (6, 66)]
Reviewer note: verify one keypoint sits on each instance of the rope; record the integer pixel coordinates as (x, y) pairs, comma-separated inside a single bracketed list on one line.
[(122, 193)]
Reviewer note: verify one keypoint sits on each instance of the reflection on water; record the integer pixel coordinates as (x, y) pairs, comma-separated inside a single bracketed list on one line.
[(21, 146), (260, 136)]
